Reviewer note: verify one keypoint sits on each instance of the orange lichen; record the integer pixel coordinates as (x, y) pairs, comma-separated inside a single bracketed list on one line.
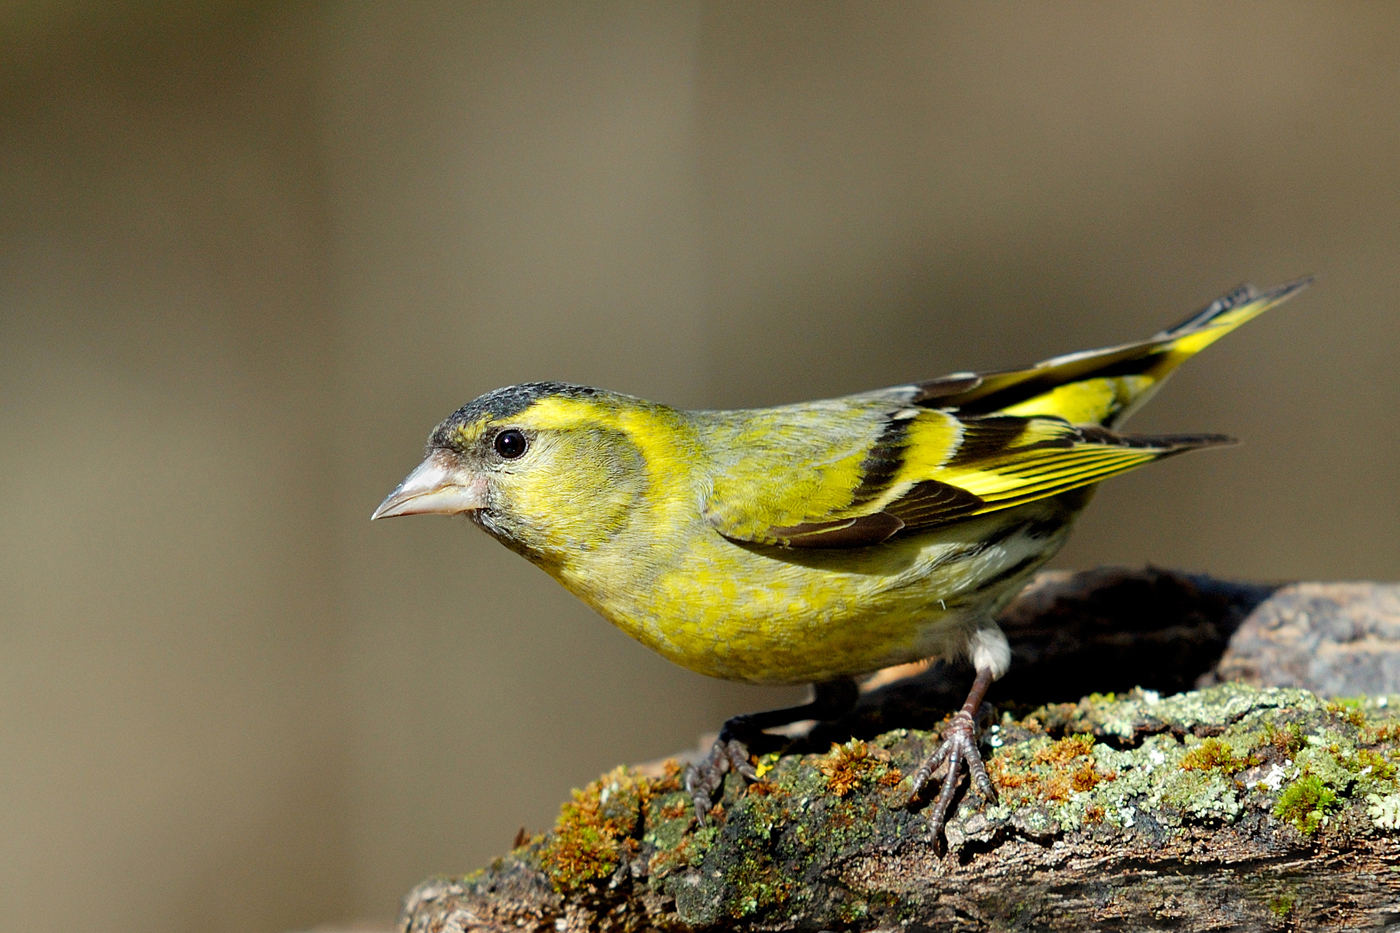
[(845, 766), (595, 829), (1003, 776), (670, 779), (1056, 787), (1057, 771), (1086, 777), (890, 776), (1065, 750)]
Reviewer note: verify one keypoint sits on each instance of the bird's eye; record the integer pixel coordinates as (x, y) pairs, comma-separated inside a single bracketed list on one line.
[(510, 443)]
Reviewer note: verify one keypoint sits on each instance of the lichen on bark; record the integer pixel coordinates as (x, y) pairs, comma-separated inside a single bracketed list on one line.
[(1266, 807)]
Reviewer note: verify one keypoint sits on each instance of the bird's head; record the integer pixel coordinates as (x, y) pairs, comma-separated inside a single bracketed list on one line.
[(549, 469)]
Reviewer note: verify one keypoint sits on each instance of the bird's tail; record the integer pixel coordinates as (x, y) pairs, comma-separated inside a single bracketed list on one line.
[(1106, 386)]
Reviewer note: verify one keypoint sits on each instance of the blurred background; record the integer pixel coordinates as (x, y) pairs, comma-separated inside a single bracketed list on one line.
[(250, 253)]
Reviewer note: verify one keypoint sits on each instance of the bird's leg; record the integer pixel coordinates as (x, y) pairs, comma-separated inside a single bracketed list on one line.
[(730, 752), (958, 748)]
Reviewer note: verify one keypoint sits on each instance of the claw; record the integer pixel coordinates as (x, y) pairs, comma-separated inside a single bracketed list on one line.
[(958, 749), (703, 778), (730, 752)]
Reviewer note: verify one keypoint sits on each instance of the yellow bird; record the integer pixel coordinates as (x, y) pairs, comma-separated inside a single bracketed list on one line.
[(815, 542)]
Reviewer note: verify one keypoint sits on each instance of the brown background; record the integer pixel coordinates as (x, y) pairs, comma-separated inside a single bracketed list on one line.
[(250, 253)]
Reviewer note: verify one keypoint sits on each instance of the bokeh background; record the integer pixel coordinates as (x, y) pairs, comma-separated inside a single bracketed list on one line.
[(250, 253)]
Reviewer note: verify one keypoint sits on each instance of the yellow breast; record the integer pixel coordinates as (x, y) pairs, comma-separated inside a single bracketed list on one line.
[(774, 615)]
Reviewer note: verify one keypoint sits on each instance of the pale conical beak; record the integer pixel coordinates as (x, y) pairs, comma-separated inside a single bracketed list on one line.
[(439, 486)]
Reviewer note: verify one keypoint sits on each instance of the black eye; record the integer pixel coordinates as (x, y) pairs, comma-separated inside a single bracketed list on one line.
[(510, 443)]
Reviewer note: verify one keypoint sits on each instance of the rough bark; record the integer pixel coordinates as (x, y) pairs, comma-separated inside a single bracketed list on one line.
[(1238, 806)]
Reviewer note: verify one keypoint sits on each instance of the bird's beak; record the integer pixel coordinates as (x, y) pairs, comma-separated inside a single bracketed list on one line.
[(439, 486)]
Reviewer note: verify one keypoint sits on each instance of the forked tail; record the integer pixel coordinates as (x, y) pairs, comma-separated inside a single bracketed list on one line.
[(1104, 386)]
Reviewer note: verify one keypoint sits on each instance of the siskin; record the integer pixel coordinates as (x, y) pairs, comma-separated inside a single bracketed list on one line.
[(815, 542)]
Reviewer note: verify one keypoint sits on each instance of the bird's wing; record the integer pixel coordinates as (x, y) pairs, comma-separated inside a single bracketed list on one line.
[(852, 472), (914, 469)]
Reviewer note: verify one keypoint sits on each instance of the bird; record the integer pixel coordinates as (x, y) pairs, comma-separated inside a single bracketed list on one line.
[(816, 542)]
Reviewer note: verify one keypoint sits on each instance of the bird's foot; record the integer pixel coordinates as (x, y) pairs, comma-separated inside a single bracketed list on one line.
[(958, 749), (704, 778), (830, 700)]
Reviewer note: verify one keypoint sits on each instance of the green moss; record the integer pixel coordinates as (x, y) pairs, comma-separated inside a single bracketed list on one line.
[(669, 818), (1286, 740), (1375, 765), (1332, 762), (1305, 803), (1282, 905), (853, 911), (594, 831), (1214, 755), (757, 884), (1352, 709)]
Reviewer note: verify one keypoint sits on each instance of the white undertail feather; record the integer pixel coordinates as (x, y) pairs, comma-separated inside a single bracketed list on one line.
[(989, 650)]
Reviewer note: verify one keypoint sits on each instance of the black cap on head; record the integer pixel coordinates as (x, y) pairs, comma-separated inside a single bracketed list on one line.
[(503, 403)]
